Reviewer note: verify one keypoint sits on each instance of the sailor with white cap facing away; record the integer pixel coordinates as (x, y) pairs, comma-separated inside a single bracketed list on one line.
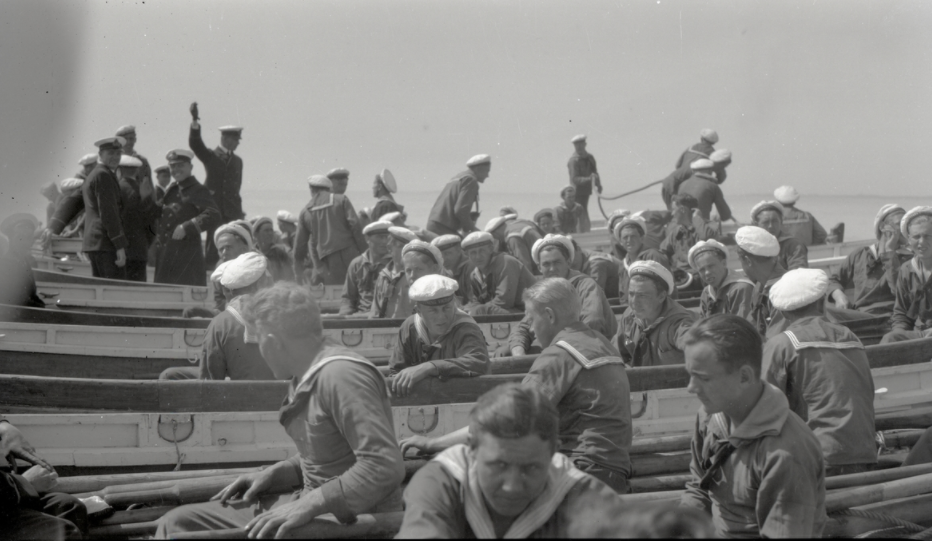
[(128, 133), (725, 292), (797, 222), (651, 330), (823, 370), (759, 253), (912, 311), (703, 149), (769, 215), (329, 235), (139, 216), (68, 218), (105, 241), (704, 186), (629, 232), (390, 295), (453, 212), (288, 225), (383, 188), (497, 281), (456, 263), (439, 341), (584, 176), (363, 270)]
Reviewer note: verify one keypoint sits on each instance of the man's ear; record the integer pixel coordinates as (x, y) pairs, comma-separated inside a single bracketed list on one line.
[(551, 315), (748, 375)]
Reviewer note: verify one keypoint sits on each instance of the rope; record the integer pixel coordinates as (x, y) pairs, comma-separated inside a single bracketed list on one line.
[(882, 517), (925, 534)]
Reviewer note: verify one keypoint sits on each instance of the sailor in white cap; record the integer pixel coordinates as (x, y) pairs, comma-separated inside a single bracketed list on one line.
[(870, 271), (570, 214), (439, 341), (420, 259), (269, 244), (704, 186), (69, 185), (188, 209), (687, 228), (630, 232), (339, 176), (163, 177), (105, 241), (358, 290), (796, 222), (516, 237), (613, 218), (87, 163), (396, 217), (383, 187), (497, 281), (224, 174), (722, 159), (652, 328), (288, 225), (390, 294), (506, 210), (139, 216), (329, 235), (455, 263), (128, 133), (453, 212), (546, 220), (823, 370), (759, 254), (584, 176), (912, 311), (18, 285), (602, 267), (725, 292), (703, 149), (769, 215), (671, 184)]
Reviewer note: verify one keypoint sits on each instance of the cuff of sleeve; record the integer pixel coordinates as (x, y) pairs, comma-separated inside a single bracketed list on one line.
[(335, 501), (120, 242), (191, 228)]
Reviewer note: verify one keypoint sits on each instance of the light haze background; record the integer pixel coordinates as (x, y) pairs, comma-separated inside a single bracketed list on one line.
[(832, 97)]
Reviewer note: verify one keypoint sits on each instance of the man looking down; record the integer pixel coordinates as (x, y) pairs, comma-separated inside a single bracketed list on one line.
[(759, 253)]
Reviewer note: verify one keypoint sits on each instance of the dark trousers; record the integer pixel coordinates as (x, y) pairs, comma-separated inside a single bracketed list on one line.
[(211, 256), (103, 265), (583, 225), (136, 270), (52, 516)]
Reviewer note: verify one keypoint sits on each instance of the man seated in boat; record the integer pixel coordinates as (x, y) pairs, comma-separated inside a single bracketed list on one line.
[(912, 311), (228, 352), (759, 253), (455, 263), (581, 373), (281, 264), (546, 220), (27, 509), (686, 229), (824, 372), (871, 271), (439, 341), (497, 281), (362, 271), (390, 294), (602, 267), (554, 253), (630, 233), (288, 225), (338, 414), (797, 222), (231, 240), (756, 467), (725, 292), (616, 215), (768, 215), (516, 237), (652, 328), (17, 283), (570, 214), (506, 480)]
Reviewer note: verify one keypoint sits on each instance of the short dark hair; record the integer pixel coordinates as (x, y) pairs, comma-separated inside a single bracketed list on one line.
[(287, 309), (512, 411), (735, 340)]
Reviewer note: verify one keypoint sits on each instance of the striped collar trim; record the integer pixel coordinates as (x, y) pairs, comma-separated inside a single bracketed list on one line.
[(798, 345)]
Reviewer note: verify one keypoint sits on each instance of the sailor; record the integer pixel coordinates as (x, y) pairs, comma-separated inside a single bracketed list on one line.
[(455, 263), (686, 229), (128, 133), (871, 271), (452, 212), (188, 209), (337, 412), (105, 241), (224, 175), (616, 215), (656, 221), (50, 192), (329, 235), (439, 341), (516, 237), (281, 265), (87, 162), (583, 176), (163, 177), (390, 294), (583, 377), (497, 281), (799, 223), (759, 253), (630, 233), (506, 210), (601, 267), (769, 215), (704, 186), (725, 292), (546, 220), (912, 311), (652, 328), (756, 467), (554, 253), (702, 149), (339, 178), (509, 468), (383, 187), (30, 510), (362, 271), (569, 213), (68, 219), (420, 259), (722, 159), (288, 225), (18, 285), (139, 215), (824, 372)]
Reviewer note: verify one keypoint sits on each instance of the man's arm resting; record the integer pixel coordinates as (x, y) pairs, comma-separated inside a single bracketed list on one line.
[(787, 499), (472, 355)]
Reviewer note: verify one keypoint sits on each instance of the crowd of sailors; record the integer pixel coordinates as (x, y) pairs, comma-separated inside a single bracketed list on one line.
[(786, 389)]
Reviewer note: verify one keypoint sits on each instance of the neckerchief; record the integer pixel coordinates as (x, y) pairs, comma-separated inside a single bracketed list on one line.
[(641, 335)]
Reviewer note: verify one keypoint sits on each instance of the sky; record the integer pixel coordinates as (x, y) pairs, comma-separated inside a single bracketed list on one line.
[(830, 96)]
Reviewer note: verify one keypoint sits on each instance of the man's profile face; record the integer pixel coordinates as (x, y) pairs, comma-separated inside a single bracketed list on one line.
[(553, 264), (480, 256), (512, 472), (230, 246), (708, 380), (543, 322), (271, 349), (771, 221), (711, 268)]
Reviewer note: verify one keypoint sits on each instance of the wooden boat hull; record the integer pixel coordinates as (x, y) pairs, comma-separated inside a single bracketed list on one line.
[(59, 277)]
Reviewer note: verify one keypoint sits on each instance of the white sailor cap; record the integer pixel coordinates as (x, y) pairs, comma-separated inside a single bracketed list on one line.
[(506, 210), (129, 161), (652, 268), (319, 181), (88, 159), (285, 216), (218, 272), (632, 220), (392, 216), (402, 234), (388, 180), (617, 214), (567, 189), (238, 130), (433, 289), (72, 183), (257, 222), (913, 213), (786, 195), (565, 244), (4, 244), (162, 168), (702, 247), (338, 172), (545, 212), (757, 241), (8, 225), (709, 135), (423, 234), (444, 241), (766, 205), (110, 143), (701, 164), (798, 288), (425, 248), (720, 155), (476, 238), (581, 138), (380, 226), (235, 228), (885, 211), (244, 271), (179, 155), (495, 223), (126, 130), (478, 159)]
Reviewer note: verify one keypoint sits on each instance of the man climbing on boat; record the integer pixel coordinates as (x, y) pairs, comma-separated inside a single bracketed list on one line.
[(797, 222), (452, 213), (515, 237)]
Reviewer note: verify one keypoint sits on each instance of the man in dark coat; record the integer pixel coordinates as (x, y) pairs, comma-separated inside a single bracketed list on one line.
[(702, 149), (452, 212), (224, 176), (139, 215), (104, 240), (17, 284), (187, 210), (583, 176)]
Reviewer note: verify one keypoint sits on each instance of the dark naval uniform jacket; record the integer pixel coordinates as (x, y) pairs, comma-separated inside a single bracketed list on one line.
[(189, 204), (224, 176), (103, 228)]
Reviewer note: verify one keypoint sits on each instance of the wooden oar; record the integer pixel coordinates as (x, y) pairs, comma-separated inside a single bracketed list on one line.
[(105, 493), (90, 483)]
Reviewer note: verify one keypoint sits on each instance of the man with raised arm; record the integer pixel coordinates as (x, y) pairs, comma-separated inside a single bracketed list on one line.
[(453, 212)]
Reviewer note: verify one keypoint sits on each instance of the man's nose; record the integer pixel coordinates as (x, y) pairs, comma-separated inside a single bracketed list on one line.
[(512, 481)]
